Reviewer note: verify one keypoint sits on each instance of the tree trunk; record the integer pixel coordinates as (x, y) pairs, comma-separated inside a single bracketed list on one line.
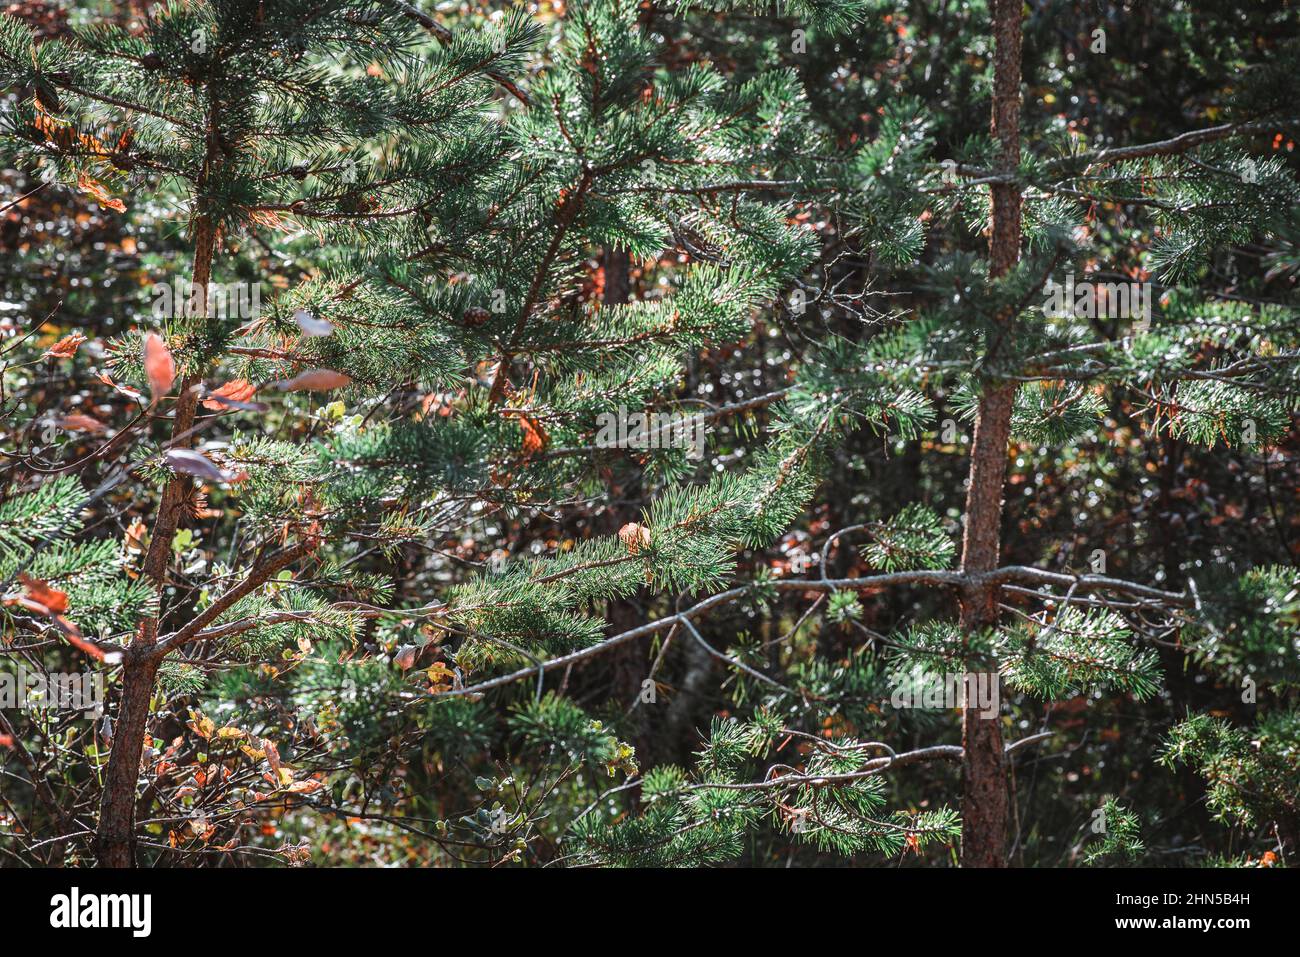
[(984, 801), (115, 840)]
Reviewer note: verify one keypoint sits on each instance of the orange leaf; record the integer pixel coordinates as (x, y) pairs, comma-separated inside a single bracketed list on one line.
[(100, 194), (66, 347), (535, 437), (44, 600), (240, 390), (272, 756), (135, 535), (158, 365), (54, 601)]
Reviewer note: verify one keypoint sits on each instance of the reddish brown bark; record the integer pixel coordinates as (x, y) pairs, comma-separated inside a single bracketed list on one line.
[(984, 799), (115, 840)]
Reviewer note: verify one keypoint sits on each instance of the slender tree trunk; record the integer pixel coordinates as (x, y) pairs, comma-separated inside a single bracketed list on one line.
[(116, 837), (628, 661), (984, 801), (115, 840)]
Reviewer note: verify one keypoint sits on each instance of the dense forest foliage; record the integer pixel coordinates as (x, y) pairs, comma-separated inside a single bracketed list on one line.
[(591, 433)]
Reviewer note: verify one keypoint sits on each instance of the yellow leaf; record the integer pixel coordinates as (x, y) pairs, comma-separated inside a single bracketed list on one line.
[(201, 724)]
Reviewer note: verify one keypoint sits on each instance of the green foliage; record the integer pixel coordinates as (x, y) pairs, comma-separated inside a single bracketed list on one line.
[(831, 804), (914, 538), (35, 541), (1120, 841), (1250, 774), (1251, 627), (516, 225), (1054, 414), (1076, 650), (555, 722)]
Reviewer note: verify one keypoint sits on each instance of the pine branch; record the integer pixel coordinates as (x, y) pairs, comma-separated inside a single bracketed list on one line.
[(445, 37)]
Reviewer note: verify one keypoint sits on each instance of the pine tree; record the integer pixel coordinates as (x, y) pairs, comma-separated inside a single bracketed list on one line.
[(228, 107)]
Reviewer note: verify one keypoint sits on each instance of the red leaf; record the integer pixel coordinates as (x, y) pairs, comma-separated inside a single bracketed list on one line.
[(405, 657), (54, 601), (126, 390), (73, 634), (158, 365), (272, 757)]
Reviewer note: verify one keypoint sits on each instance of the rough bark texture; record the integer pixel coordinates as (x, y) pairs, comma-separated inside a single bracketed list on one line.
[(984, 799), (115, 840), (116, 837)]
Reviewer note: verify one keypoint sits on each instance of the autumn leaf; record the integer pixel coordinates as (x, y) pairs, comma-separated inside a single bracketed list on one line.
[(66, 347), (40, 598), (253, 753), (535, 437), (74, 638), (405, 657), (80, 423), (126, 390), (238, 391), (440, 676), (99, 193), (437, 403), (634, 536), (314, 380), (135, 535), (158, 365), (51, 600), (272, 755), (201, 724)]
